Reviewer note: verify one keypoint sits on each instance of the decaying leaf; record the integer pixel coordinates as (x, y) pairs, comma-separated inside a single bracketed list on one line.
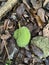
[(42, 43)]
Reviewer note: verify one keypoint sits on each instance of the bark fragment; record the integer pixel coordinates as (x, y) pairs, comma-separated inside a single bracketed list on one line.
[(7, 7)]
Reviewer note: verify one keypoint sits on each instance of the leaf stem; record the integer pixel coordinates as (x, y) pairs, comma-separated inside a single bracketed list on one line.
[(19, 24)]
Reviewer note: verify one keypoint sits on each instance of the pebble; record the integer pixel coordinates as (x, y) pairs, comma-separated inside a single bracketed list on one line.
[(28, 54), (47, 61), (41, 14), (20, 10), (12, 54), (20, 55), (13, 50), (40, 33), (13, 16), (47, 6), (36, 51), (36, 3), (26, 60), (27, 48), (46, 31), (30, 26), (47, 14), (38, 63)]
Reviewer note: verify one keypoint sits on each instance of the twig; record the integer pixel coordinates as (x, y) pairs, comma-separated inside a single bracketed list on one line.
[(6, 48), (7, 7), (32, 12)]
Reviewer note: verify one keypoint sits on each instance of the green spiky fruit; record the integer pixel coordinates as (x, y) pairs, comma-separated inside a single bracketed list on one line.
[(22, 36)]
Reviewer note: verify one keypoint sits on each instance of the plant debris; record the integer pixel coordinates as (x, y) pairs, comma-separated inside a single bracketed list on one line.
[(8, 6), (24, 32), (42, 43)]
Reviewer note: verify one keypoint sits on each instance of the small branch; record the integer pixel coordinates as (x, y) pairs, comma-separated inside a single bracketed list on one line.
[(7, 7), (32, 12)]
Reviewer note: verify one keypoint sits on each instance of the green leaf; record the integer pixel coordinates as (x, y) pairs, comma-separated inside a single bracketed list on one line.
[(8, 62), (22, 36)]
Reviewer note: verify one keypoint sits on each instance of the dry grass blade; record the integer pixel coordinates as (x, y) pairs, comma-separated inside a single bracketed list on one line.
[(6, 48)]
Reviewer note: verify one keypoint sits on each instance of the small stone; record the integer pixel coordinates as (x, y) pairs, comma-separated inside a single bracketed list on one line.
[(40, 33), (13, 16), (41, 14), (2, 3), (38, 63), (36, 3), (47, 6), (12, 49), (30, 26), (20, 10), (26, 60), (27, 48), (47, 61), (47, 14), (20, 55), (12, 54), (34, 49), (28, 54), (46, 31)]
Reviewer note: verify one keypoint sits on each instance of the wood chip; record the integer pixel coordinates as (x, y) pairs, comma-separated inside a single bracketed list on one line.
[(7, 7), (46, 1)]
